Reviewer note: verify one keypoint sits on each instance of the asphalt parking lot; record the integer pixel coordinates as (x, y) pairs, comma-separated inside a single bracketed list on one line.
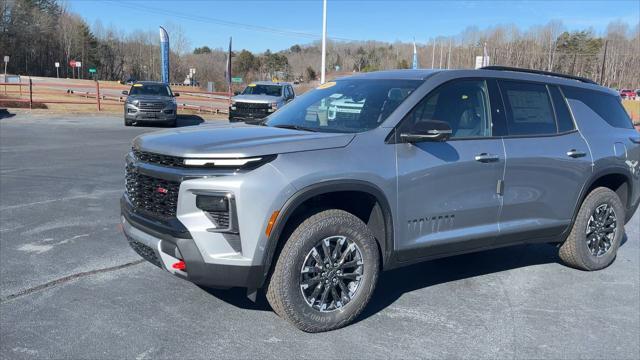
[(70, 286)]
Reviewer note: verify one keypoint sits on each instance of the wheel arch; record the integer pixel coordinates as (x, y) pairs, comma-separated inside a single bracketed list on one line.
[(617, 179), (294, 206)]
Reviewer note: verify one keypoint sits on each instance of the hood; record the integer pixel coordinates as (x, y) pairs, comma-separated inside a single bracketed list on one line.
[(256, 98), (236, 141), (149, 98)]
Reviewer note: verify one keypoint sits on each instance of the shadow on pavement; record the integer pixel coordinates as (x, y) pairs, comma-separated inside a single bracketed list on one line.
[(394, 283), (4, 113), (188, 120)]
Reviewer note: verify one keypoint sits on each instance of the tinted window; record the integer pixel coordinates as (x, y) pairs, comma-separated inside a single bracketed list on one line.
[(350, 105), (563, 116), (529, 110), (150, 89), (607, 106), (259, 89), (463, 104)]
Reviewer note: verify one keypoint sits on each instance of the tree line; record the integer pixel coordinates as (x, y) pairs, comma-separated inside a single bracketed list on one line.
[(37, 33)]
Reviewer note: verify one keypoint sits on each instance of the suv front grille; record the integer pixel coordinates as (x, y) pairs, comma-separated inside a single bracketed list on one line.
[(154, 196), (150, 105), (159, 159)]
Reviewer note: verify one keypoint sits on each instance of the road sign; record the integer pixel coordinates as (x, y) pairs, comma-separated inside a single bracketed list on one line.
[(78, 64), (237, 80), (72, 63), (6, 58), (92, 70), (57, 64)]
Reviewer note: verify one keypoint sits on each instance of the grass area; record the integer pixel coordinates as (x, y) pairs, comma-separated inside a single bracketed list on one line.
[(633, 108)]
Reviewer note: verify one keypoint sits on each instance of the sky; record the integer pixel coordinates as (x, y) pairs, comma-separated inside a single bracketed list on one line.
[(276, 25)]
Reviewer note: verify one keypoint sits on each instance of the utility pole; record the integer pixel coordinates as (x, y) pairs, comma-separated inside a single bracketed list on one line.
[(604, 61), (449, 55), (433, 55), (324, 41)]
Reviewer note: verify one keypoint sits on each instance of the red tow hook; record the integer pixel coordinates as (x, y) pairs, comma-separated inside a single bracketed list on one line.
[(180, 265)]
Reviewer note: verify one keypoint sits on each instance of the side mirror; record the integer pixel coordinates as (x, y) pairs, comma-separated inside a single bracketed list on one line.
[(125, 92), (176, 94), (430, 130), (236, 92)]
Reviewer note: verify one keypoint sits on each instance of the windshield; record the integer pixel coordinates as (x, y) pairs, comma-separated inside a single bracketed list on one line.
[(345, 105), (258, 89), (150, 89)]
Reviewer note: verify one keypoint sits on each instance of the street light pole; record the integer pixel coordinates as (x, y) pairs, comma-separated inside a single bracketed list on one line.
[(324, 41)]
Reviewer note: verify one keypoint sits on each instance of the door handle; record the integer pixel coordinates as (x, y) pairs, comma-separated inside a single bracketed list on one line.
[(485, 158), (576, 154)]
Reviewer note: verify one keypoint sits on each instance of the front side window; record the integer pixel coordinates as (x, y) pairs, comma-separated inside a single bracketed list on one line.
[(150, 89), (529, 110), (260, 89), (606, 106), (350, 105), (463, 104)]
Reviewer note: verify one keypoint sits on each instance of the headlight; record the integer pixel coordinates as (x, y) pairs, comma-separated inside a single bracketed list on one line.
[(273, 106), (133, 102), (233, 102)]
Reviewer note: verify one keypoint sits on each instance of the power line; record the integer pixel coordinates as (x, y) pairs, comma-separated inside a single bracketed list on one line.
[(232, 24)]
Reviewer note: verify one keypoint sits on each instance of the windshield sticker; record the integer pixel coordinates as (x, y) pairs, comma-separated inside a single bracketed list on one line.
[(326, 85)]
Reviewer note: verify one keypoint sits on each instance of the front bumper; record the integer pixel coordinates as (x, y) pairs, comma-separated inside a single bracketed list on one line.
[(131, 112), (165, 244)]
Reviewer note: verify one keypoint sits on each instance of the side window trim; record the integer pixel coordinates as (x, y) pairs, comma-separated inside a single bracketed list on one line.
[(566, 104), (488, 110)]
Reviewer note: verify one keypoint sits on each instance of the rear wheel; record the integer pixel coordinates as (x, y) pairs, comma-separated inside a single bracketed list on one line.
[(326, 272), (596, 233)]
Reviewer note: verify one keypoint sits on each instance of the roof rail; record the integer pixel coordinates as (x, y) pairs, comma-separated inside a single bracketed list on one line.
[(539, 72)]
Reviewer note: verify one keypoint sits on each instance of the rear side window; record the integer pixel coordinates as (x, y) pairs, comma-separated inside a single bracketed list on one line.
[(529, 110), (563, 116), (607, 106)]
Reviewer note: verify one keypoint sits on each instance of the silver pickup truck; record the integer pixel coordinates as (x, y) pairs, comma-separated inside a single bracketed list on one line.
[(258, 100)]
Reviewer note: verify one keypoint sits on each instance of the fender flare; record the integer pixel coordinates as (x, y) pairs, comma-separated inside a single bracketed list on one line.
[(325, 187), (589, 183)]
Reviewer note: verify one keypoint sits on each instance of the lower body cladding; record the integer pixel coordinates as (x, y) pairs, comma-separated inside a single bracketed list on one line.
[(165, 251)]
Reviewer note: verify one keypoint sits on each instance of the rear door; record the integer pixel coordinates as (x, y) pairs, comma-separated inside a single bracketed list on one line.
[(547, 164), (447, 198)]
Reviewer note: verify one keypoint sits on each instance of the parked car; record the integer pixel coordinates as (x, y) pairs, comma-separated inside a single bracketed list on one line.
[(628, 94), (434, 163), (258, 100), (151, 102)]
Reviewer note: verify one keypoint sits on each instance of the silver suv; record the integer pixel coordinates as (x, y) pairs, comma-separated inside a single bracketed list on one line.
[(150, 102), (259, 100), (312, 206)]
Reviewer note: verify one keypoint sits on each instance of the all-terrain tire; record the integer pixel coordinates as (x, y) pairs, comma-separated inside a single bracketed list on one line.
[(574, 251), (283, 290)]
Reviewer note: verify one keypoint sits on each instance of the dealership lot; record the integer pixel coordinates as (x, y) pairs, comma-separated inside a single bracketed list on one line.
[(71, 287)]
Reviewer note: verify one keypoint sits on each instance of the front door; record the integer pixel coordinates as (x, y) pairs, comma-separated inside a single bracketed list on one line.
[(448, 197)]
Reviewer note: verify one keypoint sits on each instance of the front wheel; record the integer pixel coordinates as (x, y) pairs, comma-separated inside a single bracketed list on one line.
[(596, 233), (326, 272)]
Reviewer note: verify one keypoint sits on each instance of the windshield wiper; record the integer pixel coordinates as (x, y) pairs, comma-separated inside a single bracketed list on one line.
[(295, 127)]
